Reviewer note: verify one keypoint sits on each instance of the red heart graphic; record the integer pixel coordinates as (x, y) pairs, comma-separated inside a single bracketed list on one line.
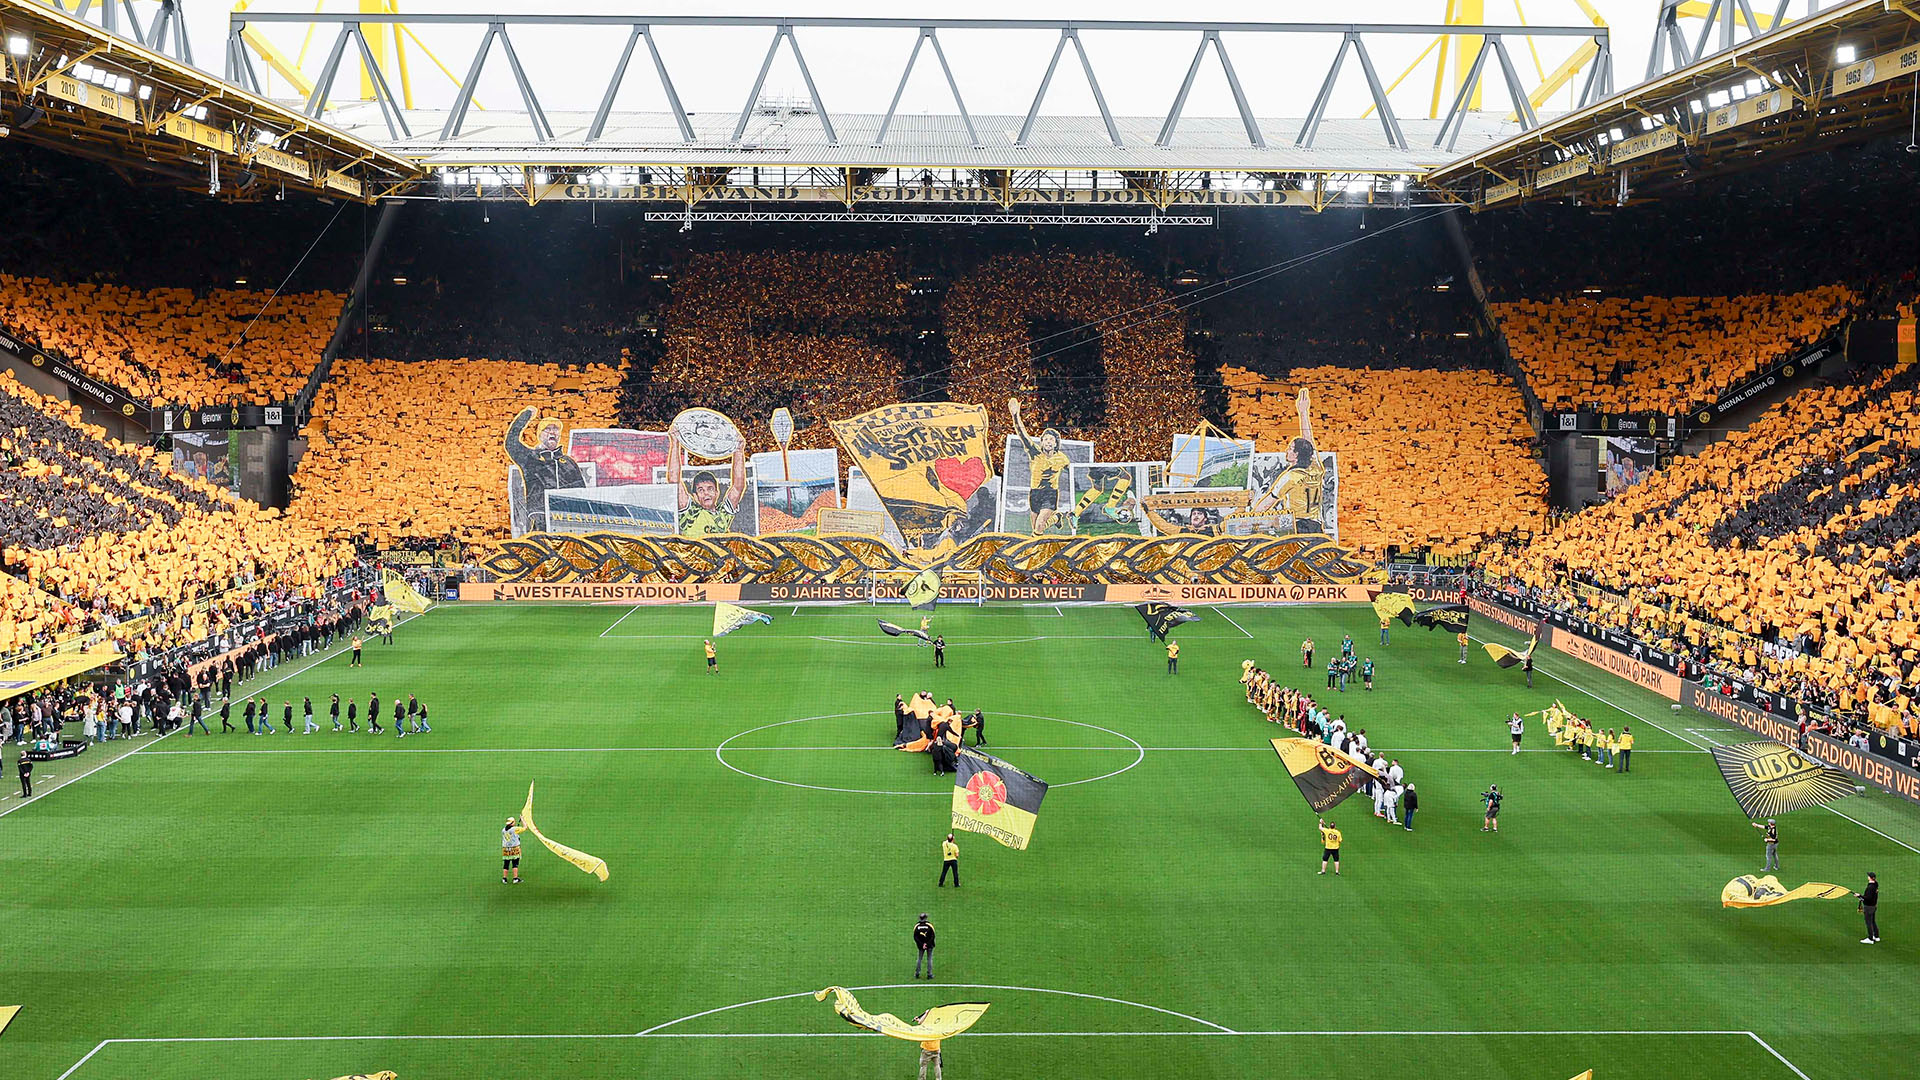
[(962, 476)]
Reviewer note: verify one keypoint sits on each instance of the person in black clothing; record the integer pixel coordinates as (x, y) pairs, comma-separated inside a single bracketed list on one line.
[(226, 717), (399, 718), (940, 651), (1869, 904), (26, 792), (978, 722), (373, 715), (333, 712), (900, 715), (1526, 665), (286, 715), (923, 941), (352, 705), (1492, 798), (195, 716), (1409, 802), (249, 717)]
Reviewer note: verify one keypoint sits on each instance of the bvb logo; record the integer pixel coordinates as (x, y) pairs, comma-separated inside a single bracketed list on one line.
[(1331, 761), (39, 360), (986, 793), (1706, 416)]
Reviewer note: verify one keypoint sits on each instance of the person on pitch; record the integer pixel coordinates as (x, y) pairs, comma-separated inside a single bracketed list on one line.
[(1306, 654), (1329, 847), (1772, 833), (978, 722), (1869, 898), (949, 862), (1516, 726), (930, 1054), (1173, 657), (399, 718), (333, 711), (373, 715), (1492, 798), (1625, 747), (355, 662), (353, 705), (510, 851), (923, 939), (1384, 622), (713, 658), (306, 713), (940, 651), (1462, 639), (1366, 673)]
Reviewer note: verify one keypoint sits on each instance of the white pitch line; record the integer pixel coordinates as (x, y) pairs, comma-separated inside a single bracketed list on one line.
[(1230, 619), (621, 619), (1783, 1058), (1691, 742), (337, 651)]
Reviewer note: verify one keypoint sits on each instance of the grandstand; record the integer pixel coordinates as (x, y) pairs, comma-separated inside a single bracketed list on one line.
[(331, 378)]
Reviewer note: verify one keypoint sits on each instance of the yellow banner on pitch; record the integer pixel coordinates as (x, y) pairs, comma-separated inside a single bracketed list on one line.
[(1748, 890), (7, 1013), (937, 1023), (595, 866), (400, 594)]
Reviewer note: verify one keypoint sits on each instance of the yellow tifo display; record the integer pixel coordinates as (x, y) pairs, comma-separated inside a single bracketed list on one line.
[(595, 866)]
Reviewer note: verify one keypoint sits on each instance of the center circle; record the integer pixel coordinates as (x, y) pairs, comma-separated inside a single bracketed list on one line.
[(719, 753)]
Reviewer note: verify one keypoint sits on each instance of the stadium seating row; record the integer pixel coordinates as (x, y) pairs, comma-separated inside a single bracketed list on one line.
[(399, 450), (1786, 553), (1428, 458), (1660, 354), (111, 530), (173, 346)]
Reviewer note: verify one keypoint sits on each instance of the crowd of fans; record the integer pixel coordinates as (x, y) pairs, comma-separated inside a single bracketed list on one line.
[(1787, 556), (817, 333), (109, 535), (1148, 374), (1433, 459), (1657, 353), (400, 451), (175, 346)]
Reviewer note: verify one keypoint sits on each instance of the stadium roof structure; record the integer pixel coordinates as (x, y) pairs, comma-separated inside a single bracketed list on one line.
[(1840, 75), (542, 148)]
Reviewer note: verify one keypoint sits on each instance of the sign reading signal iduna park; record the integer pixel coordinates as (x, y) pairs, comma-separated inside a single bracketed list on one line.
[(625, 511)]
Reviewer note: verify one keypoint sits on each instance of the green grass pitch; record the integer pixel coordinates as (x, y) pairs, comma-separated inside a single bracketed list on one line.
[(309, 906)]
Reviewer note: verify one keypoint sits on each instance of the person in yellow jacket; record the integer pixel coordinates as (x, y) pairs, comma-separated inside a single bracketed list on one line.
[(949, 862), (1173, 657), (930, 1052), (1626, 747)]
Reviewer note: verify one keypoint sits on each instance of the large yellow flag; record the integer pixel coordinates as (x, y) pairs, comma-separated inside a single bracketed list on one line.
[(592, 865), (400, 594), (937, 1023), (7, 1013), (1750, 891)]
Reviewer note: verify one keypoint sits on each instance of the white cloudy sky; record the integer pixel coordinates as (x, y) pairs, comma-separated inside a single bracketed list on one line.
[(998, 71)]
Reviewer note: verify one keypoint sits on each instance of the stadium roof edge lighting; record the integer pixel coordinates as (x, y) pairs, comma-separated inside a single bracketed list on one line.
[(1774, 91), (153, 110)]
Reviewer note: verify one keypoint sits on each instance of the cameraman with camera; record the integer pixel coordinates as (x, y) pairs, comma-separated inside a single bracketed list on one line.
[(1492, 798)]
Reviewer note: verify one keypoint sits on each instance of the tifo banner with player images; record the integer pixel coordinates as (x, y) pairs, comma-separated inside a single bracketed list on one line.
[(1325, 776), (1106, 498), (1296, 492), (206, 455), (931, 466), (1039, 500), (1205, 461), (793, 489), (1769, 779), (1748, 890), (996, 799)]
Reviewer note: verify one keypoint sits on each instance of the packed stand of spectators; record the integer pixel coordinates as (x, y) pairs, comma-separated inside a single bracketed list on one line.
[(1787, 556), (1657, 353), (753, 331), (174, 346), (398, 451), (115, 535), (1433, 459), (1148, 372)]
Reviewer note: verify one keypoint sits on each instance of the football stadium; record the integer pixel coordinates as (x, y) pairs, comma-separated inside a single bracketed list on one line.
[(1228, 543)]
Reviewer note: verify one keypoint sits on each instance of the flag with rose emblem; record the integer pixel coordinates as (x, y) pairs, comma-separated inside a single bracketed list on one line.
[(994, 798)]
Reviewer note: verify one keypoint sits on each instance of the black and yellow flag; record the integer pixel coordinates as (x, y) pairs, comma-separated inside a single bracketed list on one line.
[(1324, 775), (1452, 617), (924, 590), (1506, 657), (1394, 605), (996, 799), (1769, 778), (1748, 890), (1164, 617)]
